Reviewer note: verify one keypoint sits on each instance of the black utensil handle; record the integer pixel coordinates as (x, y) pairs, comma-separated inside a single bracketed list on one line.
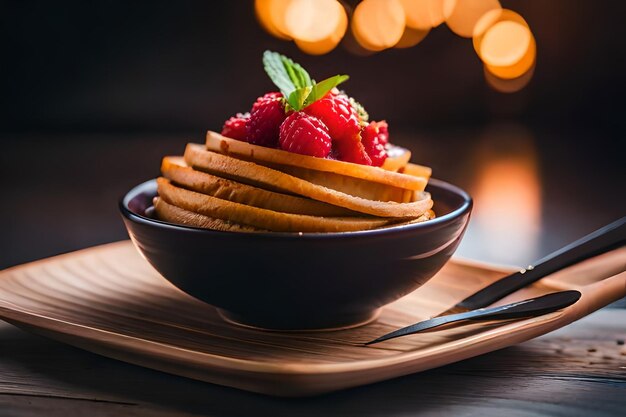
[(602, 240)]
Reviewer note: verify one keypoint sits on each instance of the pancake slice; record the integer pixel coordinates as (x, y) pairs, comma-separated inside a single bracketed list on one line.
[(170, 213), (259, 176), (176, 170), (398, 157), (357, 187), (268, 156), (411, 169), (260, 218)]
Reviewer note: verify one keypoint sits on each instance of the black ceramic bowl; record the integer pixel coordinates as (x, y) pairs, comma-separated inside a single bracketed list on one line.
[(289, 281)]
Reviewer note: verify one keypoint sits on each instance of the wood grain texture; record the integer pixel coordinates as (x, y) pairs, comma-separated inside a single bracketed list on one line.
[(108, 300), (574, 372)]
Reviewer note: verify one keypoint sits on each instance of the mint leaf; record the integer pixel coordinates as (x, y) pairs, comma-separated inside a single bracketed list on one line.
[(284, 73), (298, 75), (295, 83), (297, 97), (320, 89), (278, 74)]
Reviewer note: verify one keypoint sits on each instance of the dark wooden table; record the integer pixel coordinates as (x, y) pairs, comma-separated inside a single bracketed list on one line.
[(556, 189)]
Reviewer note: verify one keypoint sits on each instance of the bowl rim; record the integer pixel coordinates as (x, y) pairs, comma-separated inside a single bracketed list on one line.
[(463, 208)]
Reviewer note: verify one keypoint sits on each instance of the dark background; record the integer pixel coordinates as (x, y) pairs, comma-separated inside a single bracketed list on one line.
[(95, 93), (112, 66)]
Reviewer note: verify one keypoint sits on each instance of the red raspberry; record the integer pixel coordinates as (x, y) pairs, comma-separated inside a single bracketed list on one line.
[(305, 134), (373, 136), (335, 111), (235, 127), (267, 114), (383, 132), (352, 150)]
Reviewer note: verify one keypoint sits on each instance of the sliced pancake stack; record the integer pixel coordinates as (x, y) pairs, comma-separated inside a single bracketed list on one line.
[(230, 185)]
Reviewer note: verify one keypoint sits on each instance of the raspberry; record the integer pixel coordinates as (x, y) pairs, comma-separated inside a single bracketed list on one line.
[(352, 150), (373, 136), (235, 127), (266, 116), (335, 111), (305, 134), (383, 132)]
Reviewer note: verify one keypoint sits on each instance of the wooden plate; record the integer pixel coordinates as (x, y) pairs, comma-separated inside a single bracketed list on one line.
[(108, 300)]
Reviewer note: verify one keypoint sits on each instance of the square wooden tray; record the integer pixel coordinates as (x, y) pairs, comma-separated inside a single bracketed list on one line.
[(110, 301)]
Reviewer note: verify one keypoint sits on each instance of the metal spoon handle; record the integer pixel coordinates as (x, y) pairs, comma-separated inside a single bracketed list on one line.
[(526, 308)]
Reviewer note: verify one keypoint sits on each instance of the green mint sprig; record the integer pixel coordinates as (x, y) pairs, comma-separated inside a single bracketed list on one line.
[(295, 82)]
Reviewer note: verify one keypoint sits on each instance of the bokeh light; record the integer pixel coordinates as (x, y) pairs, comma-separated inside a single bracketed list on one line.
[(491, 18), (314, 20), (330, 41), (378, 24), (507, 194), (423, 14), (505, 44), (462, 16), (411, 37), (501, 38), (512, 85), (350, 44), (271, 15), (518, 69)]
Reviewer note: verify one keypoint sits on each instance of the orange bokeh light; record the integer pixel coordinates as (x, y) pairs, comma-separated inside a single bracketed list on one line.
[(491, 18), (329, 42), (350, 44), (423, 14), (507, 47), (507, 197), (314, 20), (271, 15), (505, 44), (518, 69), (512, 85), (501, 37), (378, 24), (507, 193), (411, 37), (462, 16)]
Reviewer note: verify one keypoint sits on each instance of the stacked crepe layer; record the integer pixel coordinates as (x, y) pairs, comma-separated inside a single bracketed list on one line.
[(229, 185)]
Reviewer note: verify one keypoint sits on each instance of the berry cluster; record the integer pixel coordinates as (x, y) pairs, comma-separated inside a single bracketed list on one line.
[(330, 128)]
